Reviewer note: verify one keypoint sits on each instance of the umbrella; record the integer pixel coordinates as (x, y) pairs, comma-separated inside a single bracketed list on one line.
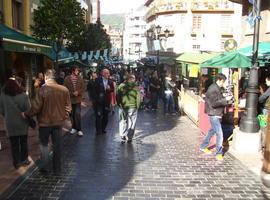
[(232, 59)]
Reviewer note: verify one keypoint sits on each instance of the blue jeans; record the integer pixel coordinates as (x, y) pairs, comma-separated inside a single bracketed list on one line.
[(128, 118), (215, 129), (169, 102), (44, 134)]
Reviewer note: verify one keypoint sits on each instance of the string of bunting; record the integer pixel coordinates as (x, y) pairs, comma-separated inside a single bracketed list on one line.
[(93, 55)]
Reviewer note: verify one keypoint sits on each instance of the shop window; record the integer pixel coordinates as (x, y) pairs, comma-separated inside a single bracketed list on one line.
[(1, 6), (17, 14)]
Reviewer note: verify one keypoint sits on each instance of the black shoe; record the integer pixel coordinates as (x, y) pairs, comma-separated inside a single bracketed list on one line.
[(104, 132), (26, 162), (129, 141)]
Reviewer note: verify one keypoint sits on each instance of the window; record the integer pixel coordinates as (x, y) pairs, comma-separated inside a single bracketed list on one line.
[(1, 12), (226, 24), (17, 14), (196, 47), (196, 23)]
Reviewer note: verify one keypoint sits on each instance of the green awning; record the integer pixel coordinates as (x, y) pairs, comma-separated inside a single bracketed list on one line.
[(264, 49), (228, 60), (263, 52), (195, 58), (12, 40)]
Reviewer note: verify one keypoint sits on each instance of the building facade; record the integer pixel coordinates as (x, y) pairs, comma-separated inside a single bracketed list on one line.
[(87, 6), (134, 38), (247, 30), (116, 38), (19, 52), (192, 24), (16, 14)]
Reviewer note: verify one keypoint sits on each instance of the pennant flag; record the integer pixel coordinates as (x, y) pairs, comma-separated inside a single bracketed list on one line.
[(84, 55), (105, 53), (76, 56), (101, 58), (90, 56), (97, 55)]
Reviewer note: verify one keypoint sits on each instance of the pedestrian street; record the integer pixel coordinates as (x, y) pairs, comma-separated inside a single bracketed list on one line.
[(162, 162)]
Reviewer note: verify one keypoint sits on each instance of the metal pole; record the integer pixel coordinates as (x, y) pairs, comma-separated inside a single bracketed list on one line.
[(249, 122)]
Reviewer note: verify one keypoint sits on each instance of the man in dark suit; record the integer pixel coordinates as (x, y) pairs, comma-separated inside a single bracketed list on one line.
[(103, 87)]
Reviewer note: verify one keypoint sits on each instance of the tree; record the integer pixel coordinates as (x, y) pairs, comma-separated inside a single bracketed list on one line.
[(56, 21), (94, 38)]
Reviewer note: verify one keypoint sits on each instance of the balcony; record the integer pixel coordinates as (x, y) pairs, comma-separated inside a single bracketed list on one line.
[(212, 6), (168, 7)]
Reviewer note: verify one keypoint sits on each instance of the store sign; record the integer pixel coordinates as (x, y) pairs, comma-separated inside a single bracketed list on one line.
[(32, 49), (14, 47)]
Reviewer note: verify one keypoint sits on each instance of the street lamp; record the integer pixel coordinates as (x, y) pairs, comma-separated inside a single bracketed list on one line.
[(158, 29), (154, 34), (167, 33), (249, 122)]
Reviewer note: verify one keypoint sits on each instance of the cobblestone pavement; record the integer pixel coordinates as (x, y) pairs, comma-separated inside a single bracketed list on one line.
[(163, 162)]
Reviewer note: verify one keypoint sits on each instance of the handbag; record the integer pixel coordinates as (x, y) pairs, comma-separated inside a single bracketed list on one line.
[(31, 122)]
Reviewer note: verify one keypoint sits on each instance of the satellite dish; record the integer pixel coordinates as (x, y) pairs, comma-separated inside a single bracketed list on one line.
[(230, 45)]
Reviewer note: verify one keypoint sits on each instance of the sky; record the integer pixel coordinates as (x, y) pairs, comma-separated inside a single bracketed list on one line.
[(119, 6)]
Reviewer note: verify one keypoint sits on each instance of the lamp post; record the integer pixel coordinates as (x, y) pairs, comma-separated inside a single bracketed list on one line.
[(154, 34), (249, 122)]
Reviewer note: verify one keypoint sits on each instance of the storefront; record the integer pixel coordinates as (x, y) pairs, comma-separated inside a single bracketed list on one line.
[(22, 55), (190, 74)]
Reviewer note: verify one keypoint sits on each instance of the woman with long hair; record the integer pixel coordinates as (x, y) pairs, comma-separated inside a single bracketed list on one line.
[(13, 102)]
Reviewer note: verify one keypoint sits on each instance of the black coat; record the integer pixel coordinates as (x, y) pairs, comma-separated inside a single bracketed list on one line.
[(214, 101), (101, 96)]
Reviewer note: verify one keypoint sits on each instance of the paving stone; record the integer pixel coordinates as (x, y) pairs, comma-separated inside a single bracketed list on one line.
[(163, 162)]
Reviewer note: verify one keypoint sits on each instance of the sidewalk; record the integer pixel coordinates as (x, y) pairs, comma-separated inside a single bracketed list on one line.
[(8, 174)]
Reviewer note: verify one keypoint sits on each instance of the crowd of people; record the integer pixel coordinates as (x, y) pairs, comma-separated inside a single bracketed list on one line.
[(57, 99)]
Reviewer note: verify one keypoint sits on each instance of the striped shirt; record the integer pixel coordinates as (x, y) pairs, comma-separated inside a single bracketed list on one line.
[(74, 80)]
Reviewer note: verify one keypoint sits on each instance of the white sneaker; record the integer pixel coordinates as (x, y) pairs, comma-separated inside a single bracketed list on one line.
[(80, 133), (73, 131), (265, 177)]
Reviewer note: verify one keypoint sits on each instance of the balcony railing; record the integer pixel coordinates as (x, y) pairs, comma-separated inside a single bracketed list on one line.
[(166, 7), (212, 5)]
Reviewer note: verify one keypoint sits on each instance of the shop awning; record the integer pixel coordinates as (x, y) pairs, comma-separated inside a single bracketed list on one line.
[(195, 58), (228, 60), (12, 40), (264, 49), (263, 52)]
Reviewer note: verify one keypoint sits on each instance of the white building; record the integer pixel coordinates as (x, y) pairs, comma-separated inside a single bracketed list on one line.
[(87, 6), (200, 25), (116, 38), (134, 38)]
